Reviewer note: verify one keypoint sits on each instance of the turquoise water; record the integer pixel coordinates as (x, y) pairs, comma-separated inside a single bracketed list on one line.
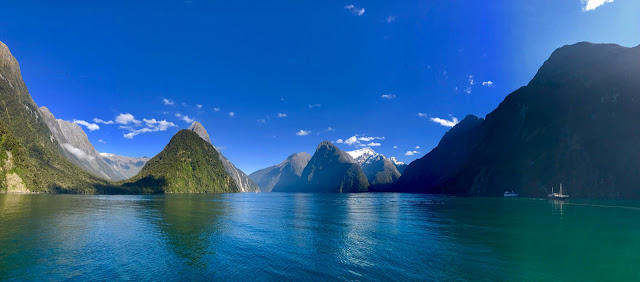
[(276, 236)]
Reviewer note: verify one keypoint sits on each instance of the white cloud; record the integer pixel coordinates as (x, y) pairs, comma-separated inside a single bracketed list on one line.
[(395, 147), (216, 109), (199, 106), (367, 139), (372, 144), (411, 153), (355, 10), (232, 114), (101, 141), (339, 141), (151, 125), (444, 122), (97, 120), (487, 83), (167, 101), (422, 115), (467, 90), (78, 153), (90, 126), (391, 19), (126, 119), (388, 96), (330, 129), (262, 120), (303, 132), (281, 115), (590, 5), (471, 80), (187, 119), (351, 140), (314, 106), (417, 147)]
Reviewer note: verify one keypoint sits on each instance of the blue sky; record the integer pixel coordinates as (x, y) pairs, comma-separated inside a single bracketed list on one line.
[(392, 73)]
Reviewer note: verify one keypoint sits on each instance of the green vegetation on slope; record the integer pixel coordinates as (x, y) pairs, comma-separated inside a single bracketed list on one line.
[(188, 164)]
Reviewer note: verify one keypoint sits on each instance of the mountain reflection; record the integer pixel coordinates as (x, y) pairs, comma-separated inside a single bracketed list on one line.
[(190, 224)]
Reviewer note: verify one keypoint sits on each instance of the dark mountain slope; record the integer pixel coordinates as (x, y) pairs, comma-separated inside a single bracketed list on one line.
[(574, 123)]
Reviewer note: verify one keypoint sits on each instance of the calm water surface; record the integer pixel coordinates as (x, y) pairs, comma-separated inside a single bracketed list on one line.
[(276, 236)]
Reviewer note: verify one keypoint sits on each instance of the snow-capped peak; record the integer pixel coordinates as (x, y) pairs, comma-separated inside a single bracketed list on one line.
[(361, 155), (395, 161)]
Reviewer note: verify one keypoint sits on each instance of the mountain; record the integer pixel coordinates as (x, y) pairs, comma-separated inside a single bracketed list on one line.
[(399, 165), (377, 168), (380, 170), (32, 160), (575, 123), (188, 164), (267, 178), (126, 166), (77, 148), (330, 170), (244, 183), (362, 155)]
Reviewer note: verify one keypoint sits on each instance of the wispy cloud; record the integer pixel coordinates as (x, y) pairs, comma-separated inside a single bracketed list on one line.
[(216, 109), (199, 106), (395, 147), (167, 101), (411, 153), (97, 120), (150, 125), (281, 115), (361, 141), (77, 152), (487, 83), (444, 122), (590, 5), (330, 129), (261, 120), (101, 141), (187, 119), (417, 147), (388, 96), (355, 10), (391, 19), (90, 126), (314, 106), (303, 133), (422, 115), (232, 114)]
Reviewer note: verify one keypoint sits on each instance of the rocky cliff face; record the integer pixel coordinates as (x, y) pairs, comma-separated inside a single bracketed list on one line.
[(292, 167), (380, 170), (77, 148), (574, 123), (244, 183), (330, 170), (32, 158)]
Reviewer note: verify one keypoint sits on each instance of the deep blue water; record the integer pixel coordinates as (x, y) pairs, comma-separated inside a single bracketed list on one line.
[(277, 236)]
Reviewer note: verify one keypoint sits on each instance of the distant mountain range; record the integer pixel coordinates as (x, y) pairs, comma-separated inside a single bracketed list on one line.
[(78, 149), (330, 170), (574, 124), (291, 168)]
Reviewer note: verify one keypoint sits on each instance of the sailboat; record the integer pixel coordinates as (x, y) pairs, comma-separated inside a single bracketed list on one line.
[(558, 196)]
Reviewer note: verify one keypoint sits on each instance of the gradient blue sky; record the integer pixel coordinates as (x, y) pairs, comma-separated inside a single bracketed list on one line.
[(325, 64)]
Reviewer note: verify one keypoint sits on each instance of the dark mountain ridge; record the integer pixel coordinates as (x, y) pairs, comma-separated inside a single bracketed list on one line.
[(574, 123)]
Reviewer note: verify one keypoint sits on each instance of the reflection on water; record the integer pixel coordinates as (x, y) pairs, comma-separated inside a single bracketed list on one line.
[(279, 236)]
